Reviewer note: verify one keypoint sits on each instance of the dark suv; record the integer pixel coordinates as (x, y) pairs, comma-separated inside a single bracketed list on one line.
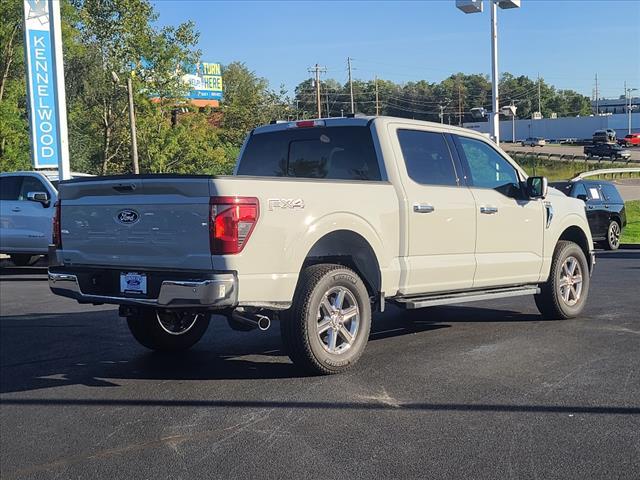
[(604, 206)]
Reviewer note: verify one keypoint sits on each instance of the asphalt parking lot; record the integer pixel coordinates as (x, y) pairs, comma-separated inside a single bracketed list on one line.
[(482, 391)]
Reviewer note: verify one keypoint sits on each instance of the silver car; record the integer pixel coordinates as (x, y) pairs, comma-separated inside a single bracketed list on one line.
[(26, 213), (533, 142)]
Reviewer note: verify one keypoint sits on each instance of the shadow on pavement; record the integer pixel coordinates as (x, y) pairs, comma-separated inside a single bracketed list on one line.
[(10, 273), (618, 255), (51, 350), (270, 404)]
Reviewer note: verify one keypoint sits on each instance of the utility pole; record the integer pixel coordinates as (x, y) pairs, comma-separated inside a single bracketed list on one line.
[(317, 69), (326, 91), (513, 124), (597, 102), (441, 115), (132, 124), (353, 108), (377, 98), (459, 104), (495, 114), (539, 101)]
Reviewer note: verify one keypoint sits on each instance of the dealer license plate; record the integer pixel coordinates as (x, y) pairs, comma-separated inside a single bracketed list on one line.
[(132, 282)]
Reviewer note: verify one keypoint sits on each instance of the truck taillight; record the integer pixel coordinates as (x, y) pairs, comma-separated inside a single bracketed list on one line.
[(231, 222), (56, 234)]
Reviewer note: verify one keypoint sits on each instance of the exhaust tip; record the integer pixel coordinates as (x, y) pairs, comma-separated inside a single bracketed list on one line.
[(263, 323)]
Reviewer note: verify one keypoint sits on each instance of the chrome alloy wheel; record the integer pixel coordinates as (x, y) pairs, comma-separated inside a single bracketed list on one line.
[(176, 323), (570, 284), (338, 320), (614, 235)]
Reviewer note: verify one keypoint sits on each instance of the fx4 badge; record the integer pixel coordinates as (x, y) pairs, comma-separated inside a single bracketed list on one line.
[(285, 203)]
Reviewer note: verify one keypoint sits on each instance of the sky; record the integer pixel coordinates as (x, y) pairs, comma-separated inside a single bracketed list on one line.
[(565, 41)]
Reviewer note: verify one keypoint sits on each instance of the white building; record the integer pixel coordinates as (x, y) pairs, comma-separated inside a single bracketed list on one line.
[(561, 128)]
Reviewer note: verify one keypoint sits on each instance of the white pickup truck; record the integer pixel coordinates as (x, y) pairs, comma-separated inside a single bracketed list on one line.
[(322, 222)]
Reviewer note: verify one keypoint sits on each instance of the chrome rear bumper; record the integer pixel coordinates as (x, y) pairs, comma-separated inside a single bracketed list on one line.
[(218, 292)]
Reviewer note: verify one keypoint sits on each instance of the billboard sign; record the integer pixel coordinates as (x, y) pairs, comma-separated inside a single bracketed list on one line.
[(205, 81), (41, 84)]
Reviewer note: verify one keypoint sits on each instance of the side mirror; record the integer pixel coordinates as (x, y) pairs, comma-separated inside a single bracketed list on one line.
[(582, 197), (40, 197), (537, 187)]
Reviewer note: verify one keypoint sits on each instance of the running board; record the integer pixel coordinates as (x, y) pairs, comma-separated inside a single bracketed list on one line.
[(411, 303)]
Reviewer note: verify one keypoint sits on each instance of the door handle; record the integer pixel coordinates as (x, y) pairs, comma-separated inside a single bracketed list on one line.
[(16, 209), (423, 208), (489, 210)]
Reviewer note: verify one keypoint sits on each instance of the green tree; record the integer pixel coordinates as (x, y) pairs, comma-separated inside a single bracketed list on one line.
[(14, 133), (248, 102)]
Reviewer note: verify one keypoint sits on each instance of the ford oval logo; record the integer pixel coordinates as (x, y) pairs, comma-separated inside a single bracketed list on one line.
[(127, 216)]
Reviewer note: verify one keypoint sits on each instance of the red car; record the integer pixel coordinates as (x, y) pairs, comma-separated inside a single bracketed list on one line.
[(631, 140)]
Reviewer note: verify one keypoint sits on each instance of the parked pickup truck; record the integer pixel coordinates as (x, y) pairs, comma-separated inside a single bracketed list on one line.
[(323, 222)]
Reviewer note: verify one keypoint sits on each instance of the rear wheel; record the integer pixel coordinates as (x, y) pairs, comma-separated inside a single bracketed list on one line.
[(564, 295), (327, 328), (168, 330), (613, 236), (24, 260)]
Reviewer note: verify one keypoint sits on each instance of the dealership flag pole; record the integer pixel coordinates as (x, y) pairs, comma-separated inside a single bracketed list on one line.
[(45, 86)]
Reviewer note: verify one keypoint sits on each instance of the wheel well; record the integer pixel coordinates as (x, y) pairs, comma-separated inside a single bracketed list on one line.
[(616, 218), (576, 235), (350, 249)]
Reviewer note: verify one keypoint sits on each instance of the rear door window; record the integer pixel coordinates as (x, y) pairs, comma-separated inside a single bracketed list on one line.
[(427, 157), (610, 193), (10, 187), (335, 153)]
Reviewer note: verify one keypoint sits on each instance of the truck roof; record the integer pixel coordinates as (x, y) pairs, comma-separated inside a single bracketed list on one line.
[(360, 121)]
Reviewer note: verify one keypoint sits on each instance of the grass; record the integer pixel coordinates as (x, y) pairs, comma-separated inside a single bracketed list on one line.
[(564, 170), (631, 234)]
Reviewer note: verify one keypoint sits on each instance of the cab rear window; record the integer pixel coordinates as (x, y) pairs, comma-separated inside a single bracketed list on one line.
[(336, 153)]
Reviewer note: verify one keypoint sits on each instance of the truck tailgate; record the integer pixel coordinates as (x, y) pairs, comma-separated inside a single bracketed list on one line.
[(145, 222)]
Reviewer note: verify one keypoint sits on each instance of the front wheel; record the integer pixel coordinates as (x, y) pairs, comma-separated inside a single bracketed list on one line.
[(613, 236), (327, 328), (564, 295), (168, 330)]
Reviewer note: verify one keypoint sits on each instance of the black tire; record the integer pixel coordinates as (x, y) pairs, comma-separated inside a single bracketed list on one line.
[(550, 301), (613, 236), (148, 330), (309, 348), (24, 260)]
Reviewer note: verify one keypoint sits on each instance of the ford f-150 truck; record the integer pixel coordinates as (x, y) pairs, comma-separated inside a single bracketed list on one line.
[(323, 222)]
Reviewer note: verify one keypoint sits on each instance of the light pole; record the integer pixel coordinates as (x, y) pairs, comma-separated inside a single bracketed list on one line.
[(629, 105), (475, 6)]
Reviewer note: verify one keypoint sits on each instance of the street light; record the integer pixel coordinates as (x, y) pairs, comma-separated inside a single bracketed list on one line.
[(510, 111), (630, 106), (475, 6)]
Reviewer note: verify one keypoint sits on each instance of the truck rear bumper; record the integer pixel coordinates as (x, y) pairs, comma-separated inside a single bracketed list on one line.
[(216, 291)]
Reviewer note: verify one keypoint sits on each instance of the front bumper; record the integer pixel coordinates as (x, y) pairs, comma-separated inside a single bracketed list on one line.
[(216, 291)]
